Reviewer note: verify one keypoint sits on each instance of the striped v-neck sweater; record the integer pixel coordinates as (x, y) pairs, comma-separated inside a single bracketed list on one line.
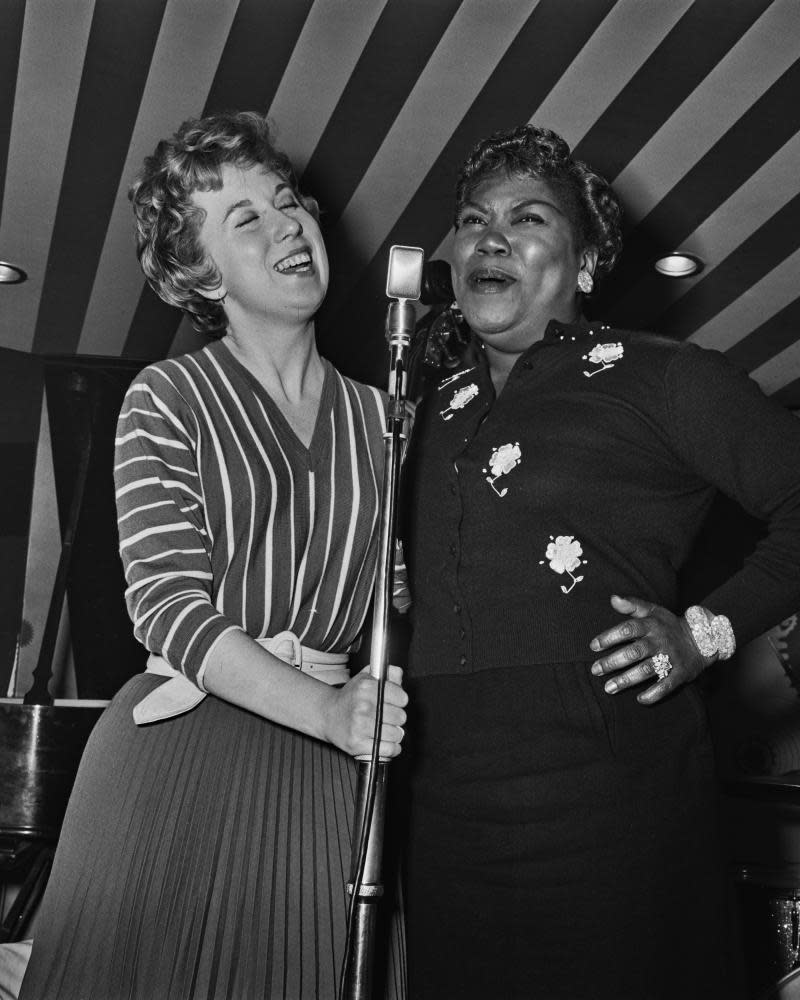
[(227, 520)]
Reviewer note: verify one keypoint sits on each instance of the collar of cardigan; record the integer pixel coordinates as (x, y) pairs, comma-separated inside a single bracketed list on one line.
[(581, 329)]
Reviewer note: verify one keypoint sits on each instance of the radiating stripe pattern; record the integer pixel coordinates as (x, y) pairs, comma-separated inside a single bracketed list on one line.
[(688, 106), (226, 518)]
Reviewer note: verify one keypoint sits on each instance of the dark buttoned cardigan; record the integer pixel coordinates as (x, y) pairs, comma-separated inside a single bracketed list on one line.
[(589, 475)]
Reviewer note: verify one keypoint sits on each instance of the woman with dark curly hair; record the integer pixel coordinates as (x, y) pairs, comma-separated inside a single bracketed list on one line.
[(563, 800), (206, 848)]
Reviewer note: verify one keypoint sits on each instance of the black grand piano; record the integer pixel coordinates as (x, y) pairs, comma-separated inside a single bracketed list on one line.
[(61, 411)]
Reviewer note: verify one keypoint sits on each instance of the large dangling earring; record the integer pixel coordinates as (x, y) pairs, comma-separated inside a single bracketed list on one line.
[(447, 337), (585, 281)]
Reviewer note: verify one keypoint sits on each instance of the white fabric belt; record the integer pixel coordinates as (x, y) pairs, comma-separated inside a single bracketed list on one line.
[(180, 695)]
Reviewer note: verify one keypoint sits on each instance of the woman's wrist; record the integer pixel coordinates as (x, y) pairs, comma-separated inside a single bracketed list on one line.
[(712, 634), (326, 707)]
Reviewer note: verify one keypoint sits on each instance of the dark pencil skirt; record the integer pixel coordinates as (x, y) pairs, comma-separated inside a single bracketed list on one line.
[(562, 841), (202, 857)]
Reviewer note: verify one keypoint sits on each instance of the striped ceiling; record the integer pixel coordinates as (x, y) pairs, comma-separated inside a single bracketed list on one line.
[(691, 108)]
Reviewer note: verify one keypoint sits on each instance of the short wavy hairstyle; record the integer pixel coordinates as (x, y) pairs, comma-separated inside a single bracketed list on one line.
[(587, 197), (168, 222)]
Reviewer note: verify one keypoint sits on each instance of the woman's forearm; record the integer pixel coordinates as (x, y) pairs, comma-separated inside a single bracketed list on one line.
[(242, 672)]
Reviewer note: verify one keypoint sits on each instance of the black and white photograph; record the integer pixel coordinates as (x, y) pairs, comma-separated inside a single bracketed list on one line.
[(400, 509)]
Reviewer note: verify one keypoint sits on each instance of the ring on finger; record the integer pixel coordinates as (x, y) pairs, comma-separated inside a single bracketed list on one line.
[(662, 665)]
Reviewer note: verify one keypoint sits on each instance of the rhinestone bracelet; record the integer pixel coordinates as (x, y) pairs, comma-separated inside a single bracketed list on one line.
[(723, 633), (713, 634)]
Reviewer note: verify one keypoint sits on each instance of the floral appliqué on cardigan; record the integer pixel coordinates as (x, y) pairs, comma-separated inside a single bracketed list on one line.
[(503, 460), (460, 399), (605, 355), (564, 555)]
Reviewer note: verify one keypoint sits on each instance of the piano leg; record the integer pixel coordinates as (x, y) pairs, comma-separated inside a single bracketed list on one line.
[(30, 892)]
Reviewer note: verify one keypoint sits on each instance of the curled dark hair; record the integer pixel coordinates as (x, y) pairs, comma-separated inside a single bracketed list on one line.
[(531, 151), (167, 220)]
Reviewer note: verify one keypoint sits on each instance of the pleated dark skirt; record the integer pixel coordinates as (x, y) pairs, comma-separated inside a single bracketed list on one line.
[(562, 842), (202, 857)]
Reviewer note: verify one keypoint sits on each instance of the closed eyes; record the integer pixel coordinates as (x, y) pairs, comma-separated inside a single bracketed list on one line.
[(249, 217)]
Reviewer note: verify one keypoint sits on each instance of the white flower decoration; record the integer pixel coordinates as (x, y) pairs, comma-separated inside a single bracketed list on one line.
[(605, 355), (460, 399), (503, 460), (564, 555)]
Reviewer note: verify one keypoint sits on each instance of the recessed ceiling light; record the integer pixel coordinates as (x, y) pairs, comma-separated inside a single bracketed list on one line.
[(10, 274), (678, 265)]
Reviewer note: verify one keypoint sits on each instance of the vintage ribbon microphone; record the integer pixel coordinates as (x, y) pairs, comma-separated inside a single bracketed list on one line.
[(403, 285)]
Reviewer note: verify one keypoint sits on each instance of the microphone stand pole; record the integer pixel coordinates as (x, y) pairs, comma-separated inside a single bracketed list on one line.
[(365, 886)]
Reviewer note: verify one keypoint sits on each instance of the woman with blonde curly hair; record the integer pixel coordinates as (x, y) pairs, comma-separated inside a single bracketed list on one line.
[(206, 847), (562, 824)]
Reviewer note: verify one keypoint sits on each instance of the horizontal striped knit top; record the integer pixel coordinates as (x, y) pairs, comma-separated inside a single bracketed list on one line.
[(226, 520)]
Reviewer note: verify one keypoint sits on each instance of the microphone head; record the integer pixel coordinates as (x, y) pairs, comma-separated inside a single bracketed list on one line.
[(404, 278)]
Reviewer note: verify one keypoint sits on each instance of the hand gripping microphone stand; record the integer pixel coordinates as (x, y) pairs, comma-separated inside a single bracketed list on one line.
[(403, 284)]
